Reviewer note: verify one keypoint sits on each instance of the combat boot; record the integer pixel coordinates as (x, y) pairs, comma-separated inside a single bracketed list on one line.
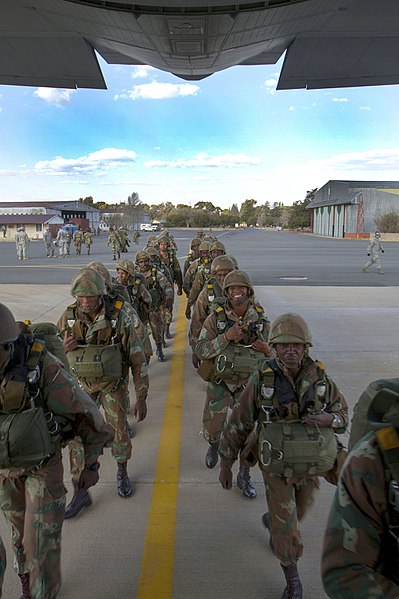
[(24, 578), (160, 353), (79, 501), (293, 590), (244, 482), (381, 272), (167, 332), (125, 489), (212, 456)]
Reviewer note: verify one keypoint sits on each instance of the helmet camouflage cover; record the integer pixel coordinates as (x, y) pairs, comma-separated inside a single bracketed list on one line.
[(8, 327), (126, 265), (204, 245), (195, 241), (217, 245), (88, 282), (103, 270), (163, 239), (142, 256), (289, 328), (222, 263), (237, 278)]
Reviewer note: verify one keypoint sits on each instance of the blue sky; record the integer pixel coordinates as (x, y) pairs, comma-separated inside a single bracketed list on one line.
[(224, 139)]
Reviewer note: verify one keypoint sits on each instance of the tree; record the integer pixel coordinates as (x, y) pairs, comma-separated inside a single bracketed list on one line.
[(248, 212), (299, 217), (264, 218), (387, 222), (134, 199), (89, 200)]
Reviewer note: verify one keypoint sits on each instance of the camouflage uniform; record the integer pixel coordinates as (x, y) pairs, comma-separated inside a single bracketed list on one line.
[(357, 548), (69, 240), (201, 262), (48, 242), (373, 250), (88, 239), (115, 242), (78, 239), (202, 275), (62, 242), (136, 236), (33, 500), (3, 564), (193, 254), (169, 259), (21, 242)]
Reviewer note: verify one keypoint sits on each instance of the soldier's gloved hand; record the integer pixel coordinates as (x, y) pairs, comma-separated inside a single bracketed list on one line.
[(382, 251), (195, 360), (89, 476), (180, 291), (368, 254), (140, 409), (225, 476)]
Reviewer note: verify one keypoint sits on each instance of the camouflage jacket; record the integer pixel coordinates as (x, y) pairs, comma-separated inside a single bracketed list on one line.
[(202, 309), (88, 238), (201, 276), (78, 237), (115, 241), (355, 544), (157, 279), (131, 346), (248, 410), (190, 274), (171, 261), (374, 247), (21, 238)]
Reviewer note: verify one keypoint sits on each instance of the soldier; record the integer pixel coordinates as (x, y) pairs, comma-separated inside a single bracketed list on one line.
[(88, 239), (297, 409), (136, 236), (21, 241), (203, 260), (123, 239), (78, 239), (151, 242), (101, 345), (360, 557), (114, 241), (162, 295), (211, 292), (373, 250), (193, 254), (69, 240), (48, 242), (204, 272), (232, 345), (48, 408), (167, 256), (200, 234), (171, 239), (62, 242)]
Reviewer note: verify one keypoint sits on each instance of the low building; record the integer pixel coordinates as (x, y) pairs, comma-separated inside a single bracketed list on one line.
[(349, 208), (34, 224)]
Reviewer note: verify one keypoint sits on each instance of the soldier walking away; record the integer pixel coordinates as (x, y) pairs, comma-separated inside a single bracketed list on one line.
[(48, 242), (69, 240), (361, 544), (101, 344), (21, 241), (231, 346), (48, 408), (78, 239), (88, 239), (297, 410), (136, 236), (168, 257), (115, 243), (373, 250), (62, 243)]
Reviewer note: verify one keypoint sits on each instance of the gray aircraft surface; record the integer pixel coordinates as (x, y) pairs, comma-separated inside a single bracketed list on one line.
[(328, 43)]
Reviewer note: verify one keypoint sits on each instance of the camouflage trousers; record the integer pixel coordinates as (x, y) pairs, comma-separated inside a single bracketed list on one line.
[(218, 401), (21, 251), (34, 507), (115, 404), (167, 315), (157, 325), (78, 247), (49, 250), (288, 502), (373, 260), (3, 564)]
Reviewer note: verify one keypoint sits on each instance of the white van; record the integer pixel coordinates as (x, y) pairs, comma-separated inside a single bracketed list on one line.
[(146, 227)]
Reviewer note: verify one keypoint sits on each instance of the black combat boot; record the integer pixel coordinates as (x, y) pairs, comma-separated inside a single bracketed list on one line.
[(266, 524), (293, 590), (130, 430), (212, 456), (160, 353), (167, 332), (79, 501), (244, 482), (24, 578), (125, 489), (163, 341)]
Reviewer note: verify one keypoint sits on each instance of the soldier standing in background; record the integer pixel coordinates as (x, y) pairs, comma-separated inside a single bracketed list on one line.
[(136, 236), (78, 239), (101, 344), (373, 250), (69, 240), (62, 242), (114, 241), (48, 242), (21, 241), (88, 239), (297, 410), (32, 491)]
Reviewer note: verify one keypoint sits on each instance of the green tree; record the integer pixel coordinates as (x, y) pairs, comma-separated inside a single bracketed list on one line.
[(299, 217), (248, 212)]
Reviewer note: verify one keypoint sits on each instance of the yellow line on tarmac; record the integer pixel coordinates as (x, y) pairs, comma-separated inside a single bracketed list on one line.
[(156, 578)]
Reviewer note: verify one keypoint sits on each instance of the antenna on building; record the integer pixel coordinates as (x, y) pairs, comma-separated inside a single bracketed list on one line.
[(360, 229)]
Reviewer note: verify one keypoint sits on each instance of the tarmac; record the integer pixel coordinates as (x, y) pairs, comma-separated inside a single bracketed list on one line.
[(181, 536)]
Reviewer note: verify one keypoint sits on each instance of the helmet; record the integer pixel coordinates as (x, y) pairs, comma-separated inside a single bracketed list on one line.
[(103, 270), (289, 328), (204, 245), (163, 239), (126, 265), (8, 327), (142, 256), (88, 282), (216, 245), (237, 278), (222, 263), (195, 241), (152, 252)]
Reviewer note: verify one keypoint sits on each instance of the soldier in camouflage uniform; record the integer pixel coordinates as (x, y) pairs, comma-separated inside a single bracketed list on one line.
[(213, 290), (115, 242), (151, 242), (62, 242), (136, 236), (290, 395), (21, 242), (32, 495), (360, 556), (101, 344), (88, 239), (203, 261), (78, 239), (373, 250), (204, 272), (168, 257), (162, 295), (48, 242), (232, 341), (124, 239), (69, 240), (193, 254)]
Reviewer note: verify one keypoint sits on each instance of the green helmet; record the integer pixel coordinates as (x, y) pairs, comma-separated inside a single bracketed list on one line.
[(126, 265), (8, 327), (237, 278), (103, 270), (204, 245), (152, 252), (222, 263), (143, 255), (289, 328), (163, 239), (88, 282), (217, 245), (195, 241)]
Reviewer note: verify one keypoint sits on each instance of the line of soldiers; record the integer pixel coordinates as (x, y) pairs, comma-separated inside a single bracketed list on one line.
[(63, 241)]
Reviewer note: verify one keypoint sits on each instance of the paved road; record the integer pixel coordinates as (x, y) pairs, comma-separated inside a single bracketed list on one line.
[(181, 536)]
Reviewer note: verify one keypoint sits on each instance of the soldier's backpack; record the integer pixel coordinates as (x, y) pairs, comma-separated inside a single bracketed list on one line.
[(48, 333)]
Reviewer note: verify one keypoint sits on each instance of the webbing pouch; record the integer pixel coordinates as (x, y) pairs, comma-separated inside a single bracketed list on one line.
[(95, 363)]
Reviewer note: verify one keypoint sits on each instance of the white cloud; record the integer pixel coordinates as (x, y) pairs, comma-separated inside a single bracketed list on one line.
[(270, 85), (58, 97), (95, 163), (366, 108), (369, 160), (141, 72), (158, 91), (204, 160), (291, 108), (340, 100)]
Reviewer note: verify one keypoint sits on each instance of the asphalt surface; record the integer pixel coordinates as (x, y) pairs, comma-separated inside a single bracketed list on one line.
[(216, 545)]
